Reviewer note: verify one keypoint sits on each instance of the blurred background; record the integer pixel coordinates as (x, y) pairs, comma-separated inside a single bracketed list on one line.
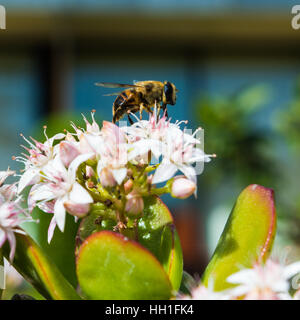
[(235, 62)]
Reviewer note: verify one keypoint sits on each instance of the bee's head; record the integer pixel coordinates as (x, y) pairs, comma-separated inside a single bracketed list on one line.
[(169, 93)]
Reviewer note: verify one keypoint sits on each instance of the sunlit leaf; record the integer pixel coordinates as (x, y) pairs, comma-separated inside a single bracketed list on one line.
[(156, 232), (62, 255), (110, 266), (247, 237), (32, 263)]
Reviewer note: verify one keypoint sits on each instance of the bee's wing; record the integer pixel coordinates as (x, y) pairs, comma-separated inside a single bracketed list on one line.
[(115, 85), (112, 94)]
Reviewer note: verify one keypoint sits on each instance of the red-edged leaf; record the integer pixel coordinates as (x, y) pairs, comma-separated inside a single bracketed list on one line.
[(31, 262), (247, 237), (110, 266)]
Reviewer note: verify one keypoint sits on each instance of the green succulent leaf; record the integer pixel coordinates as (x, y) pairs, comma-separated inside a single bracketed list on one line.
[(111, 266), (247, 237), (62, 255), (31, 262), (155, 231)]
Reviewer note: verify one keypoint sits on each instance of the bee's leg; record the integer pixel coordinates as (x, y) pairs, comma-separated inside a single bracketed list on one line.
[(148, 109), (165, 110), (142, 107), (129, 119)]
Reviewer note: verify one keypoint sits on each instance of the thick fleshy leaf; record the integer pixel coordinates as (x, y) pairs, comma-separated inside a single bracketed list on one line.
[(247, 237), (110, 266), (156, 232), (62, 255), (31, 262)]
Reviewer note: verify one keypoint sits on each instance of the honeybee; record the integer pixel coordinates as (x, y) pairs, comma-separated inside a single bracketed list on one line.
[(142, 95)]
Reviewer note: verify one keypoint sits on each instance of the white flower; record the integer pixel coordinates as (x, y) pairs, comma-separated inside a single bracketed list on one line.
[(267, 281), (116, 159), (90, 140), (113, 152), (180, 153), (92, 128), (39, 156), (179, 150), (146, 136), (60, 187), (11, 213), (202, 292)]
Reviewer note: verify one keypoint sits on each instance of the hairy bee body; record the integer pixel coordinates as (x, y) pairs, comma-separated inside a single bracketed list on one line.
[(143, 95), (128, 101)]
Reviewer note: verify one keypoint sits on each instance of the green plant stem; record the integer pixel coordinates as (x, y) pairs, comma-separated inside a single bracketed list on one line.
[(158, 191)]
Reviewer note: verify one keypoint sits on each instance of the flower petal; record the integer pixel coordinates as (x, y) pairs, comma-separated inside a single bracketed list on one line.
[(76, 163), (189, 172), (291, 270), (78, 210), (60, 214), (67, 152), (119, 174), (141, 147), (79, 194), (164, 172), (243, 276), (12, 242), (51, 229), (41, 192), (50, 141), (27, 178)]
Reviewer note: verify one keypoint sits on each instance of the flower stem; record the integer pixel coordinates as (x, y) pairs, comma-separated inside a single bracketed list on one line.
[(159, 191)]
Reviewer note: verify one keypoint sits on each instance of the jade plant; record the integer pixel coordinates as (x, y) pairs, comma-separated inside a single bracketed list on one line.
[(109, 181)]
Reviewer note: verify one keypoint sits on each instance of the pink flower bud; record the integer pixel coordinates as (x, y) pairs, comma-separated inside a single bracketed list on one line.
[(107, 179), (134, 204), (77, 209), (89, 172), (128, 185), (182, 188), (67, 152)]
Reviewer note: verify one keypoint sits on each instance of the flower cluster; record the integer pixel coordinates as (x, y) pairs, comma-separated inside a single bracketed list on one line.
[(110, 168), (11, 212), (264, 281)]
